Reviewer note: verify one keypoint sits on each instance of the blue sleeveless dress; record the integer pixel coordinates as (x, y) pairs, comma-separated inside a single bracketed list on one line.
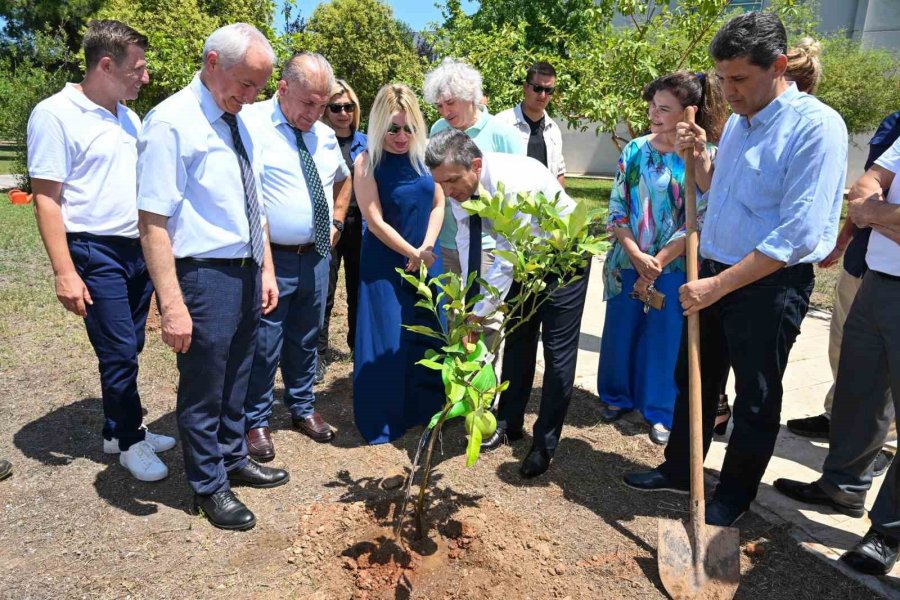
[(390, 392)]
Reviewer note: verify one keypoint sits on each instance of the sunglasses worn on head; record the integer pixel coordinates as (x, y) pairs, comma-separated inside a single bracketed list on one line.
[(339, 108), (540, 89), (394, 129)]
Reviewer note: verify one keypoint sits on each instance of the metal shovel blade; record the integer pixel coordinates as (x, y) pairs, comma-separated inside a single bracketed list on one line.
[(709, 569)]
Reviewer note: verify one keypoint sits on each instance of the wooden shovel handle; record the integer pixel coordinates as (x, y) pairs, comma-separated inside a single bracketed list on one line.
[(698, 508)]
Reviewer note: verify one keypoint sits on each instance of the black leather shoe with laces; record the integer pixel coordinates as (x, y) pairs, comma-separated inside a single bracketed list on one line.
[(536, 463), (255, 475), (875, 554), (501, 436), (224, 510)]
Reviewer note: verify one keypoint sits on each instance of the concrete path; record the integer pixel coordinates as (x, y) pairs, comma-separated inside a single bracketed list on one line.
[(7, 181), (808, 377)]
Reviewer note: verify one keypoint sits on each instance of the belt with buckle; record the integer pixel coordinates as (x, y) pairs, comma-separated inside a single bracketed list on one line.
[(887, 276), (106, 239), (218, 262), (294, 249)]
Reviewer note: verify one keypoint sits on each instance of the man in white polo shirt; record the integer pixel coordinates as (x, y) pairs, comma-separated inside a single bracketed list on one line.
[(540, 134), (302, 168), (869, 367), (82, 151), (202, 225)]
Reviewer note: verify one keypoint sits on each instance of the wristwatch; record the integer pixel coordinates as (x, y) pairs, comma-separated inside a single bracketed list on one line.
[(339, 225)]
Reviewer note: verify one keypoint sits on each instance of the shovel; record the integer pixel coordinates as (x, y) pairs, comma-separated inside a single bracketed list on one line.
[(696, 560)]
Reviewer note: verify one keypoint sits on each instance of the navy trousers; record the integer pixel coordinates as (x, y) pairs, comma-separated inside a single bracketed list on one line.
[(558, 324), (290, 334), (225, 304), (750, 330), (346, 251), (114, 272)]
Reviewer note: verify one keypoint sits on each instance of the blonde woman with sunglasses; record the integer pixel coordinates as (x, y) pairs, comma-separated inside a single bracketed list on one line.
[(342, 115), (404, 211)]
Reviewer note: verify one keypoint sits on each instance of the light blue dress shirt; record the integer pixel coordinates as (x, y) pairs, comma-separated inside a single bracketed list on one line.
[(188, 171), (285, 193), (778, 183)]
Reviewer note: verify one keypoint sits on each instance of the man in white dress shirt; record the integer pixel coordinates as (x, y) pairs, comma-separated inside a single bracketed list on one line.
[(82, 152), (302, 168), (202, 224), (461, 169)]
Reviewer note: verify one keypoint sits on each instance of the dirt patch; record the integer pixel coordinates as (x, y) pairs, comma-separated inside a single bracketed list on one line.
[(73, 524)]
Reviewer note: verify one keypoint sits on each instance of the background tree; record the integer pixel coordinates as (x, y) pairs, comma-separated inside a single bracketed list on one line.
[(365, 44)]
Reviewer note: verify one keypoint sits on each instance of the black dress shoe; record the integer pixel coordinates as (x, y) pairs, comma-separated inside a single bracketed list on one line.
[(611, 414), (224, 510), (812, 493), (5, 469), (653, 481), (875, 554), (817, 427), (536, 463), (882, 463), (720, 514), (500, 436), (255, 475)]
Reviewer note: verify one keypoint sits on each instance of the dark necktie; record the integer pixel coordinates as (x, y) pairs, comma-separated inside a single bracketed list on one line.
[(257, 242), (321, 224), (474, 264)]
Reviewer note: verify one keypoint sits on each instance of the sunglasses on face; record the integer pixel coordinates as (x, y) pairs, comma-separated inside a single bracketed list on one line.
[(394, 129), (339, 108), (541, 89)]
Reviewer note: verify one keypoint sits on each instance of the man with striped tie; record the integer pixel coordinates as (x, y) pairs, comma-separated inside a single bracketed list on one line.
[(303, 175), (203, 230)]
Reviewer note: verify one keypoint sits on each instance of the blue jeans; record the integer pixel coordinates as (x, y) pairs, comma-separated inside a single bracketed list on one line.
[(638, 350), (289, 333), (224, 304), (114, 272)]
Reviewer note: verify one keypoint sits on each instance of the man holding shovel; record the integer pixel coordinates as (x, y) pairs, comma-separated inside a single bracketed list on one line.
[(773, 211)]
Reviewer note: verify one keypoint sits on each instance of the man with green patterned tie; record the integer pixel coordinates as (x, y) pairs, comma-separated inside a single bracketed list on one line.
[(303, 175)]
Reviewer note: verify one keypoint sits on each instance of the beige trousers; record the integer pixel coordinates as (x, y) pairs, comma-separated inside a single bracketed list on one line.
[(844, 292)]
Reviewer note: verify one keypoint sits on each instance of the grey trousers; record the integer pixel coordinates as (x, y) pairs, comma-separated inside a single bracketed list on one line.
[(869, 369)]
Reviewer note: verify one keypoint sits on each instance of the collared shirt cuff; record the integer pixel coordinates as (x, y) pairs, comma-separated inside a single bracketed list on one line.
[(778, 249), (486, 307)]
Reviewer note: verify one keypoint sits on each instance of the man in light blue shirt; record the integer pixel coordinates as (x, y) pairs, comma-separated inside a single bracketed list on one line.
[(302, 167), (773, 211), (202, 225)]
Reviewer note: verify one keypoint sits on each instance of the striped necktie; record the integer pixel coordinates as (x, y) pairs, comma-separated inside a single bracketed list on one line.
[(257, 241), (321, 224)]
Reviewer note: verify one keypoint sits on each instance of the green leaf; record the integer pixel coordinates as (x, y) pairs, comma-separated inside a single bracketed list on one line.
[(424, 331), (473, 449), (436, 366), (486, 379)]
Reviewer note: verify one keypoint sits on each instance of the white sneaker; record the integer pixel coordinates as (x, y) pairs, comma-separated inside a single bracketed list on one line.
[(159, 443), (141, 460)]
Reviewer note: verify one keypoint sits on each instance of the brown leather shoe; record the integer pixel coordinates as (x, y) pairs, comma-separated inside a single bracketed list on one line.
[(260, 446), (315, 427)]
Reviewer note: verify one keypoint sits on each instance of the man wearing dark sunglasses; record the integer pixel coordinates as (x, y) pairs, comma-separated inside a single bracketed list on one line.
[(539, 132)]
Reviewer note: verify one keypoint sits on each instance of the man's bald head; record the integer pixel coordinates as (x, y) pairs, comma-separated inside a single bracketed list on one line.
[(310, 71)]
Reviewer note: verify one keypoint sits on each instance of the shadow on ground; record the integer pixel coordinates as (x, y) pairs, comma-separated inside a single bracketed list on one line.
[(72, 432)]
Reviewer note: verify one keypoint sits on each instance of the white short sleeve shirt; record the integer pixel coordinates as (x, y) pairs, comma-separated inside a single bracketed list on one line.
[(288, 202), (883, 254), (552, 136), (188, 170), (93, 153)]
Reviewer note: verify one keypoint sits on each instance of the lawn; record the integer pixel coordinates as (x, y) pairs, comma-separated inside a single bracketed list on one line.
[(7, 158)]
